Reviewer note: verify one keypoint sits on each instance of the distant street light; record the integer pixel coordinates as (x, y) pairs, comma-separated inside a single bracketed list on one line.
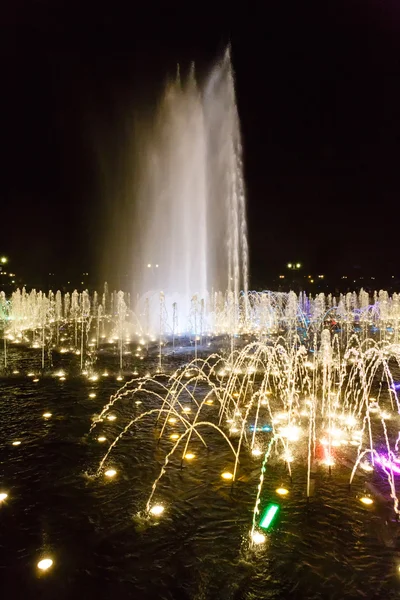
[(294, 266), (3, 260)]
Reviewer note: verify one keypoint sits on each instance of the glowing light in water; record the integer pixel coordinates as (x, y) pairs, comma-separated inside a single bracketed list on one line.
[(366, 500), (174, 436), (101, 438), (111, 417), (92, 395), (3, 496), (189, 456), (47, 415), (282, 491), (110, 473), (256, 452), (45, 564), (16, 443), (268, 516), (227, 475), (157, 510), (258, 537)]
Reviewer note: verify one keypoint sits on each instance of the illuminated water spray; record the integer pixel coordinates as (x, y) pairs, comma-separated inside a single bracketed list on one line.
[(190, 229)]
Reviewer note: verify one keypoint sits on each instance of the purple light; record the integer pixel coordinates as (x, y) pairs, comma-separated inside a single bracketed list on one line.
[(388, 464), (396, 386)]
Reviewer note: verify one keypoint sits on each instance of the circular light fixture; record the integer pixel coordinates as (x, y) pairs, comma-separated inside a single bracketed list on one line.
[(101, 438), (227, 475), (157, 510), (45, 564), (258, 538), (282, 491), (47, 415), (366, 500), (110, 473), (189, 456)]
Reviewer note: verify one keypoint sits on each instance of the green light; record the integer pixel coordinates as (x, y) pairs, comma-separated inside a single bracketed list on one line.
[(268, 515)]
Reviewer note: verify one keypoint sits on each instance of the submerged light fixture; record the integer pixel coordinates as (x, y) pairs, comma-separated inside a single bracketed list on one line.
[(269, 515)]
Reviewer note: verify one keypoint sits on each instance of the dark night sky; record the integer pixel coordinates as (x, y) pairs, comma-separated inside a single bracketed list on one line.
[(318, 91)]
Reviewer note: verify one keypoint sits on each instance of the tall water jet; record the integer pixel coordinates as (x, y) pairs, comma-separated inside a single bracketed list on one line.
[(190, 231)]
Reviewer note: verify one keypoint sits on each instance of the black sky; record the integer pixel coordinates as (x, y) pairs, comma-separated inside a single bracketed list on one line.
[(318, 89)]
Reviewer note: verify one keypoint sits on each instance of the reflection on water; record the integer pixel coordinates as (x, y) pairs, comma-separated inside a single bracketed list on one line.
[(332, 547)]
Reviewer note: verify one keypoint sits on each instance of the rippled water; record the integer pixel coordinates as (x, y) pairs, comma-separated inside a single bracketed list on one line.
[(332, 547)]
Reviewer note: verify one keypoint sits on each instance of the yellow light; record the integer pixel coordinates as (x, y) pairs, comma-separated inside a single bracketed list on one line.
[(226, 475), (157, 510), (3, 496), (16, 443), (35, 380), (174, 436), (282, 491), (186, 409), (258, 538), (47, 415), (45, 564), (172, 420), (119, 378), (101, 438), (189, 456), (3, 260), (209, 401), (366, 500), (92, 395), (110, 473), (111, 417)]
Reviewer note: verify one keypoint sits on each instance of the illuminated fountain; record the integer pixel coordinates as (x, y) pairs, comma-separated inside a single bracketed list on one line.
[(190, 230), (314, 403)]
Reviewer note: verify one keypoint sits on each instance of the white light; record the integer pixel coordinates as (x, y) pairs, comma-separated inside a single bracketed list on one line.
[(157, 510), (227, 475), (111, 417), (291, 433), (47, 415), (101, 438), (45, 564), (282, 491), (3, 496), (258, 538), (110, 473), (92, 395), (366, 500), (17, 443), (189, 456), (256, 452)]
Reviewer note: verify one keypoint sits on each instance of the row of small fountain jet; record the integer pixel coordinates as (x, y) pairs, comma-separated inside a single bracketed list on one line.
[(301, 381)]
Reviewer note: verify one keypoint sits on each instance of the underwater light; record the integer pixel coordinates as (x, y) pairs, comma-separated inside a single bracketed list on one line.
[(256, 452), (111, 417), (258, 538), (282, 491), (16, 443), (172, 420), (92, 395), (174, 436), (157, 510), (227, 475), (189, 456), (366, 500), (45, 564), (268, 516), (47, 415), (3, 496), (110, 473), (101, 438)]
